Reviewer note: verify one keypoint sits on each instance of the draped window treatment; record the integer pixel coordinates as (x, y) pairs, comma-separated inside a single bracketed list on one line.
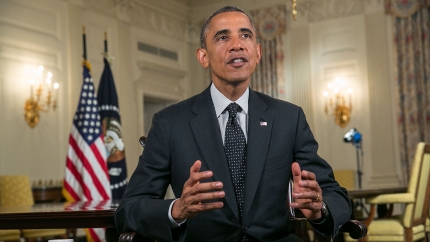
[(412, 74), (270, 24)]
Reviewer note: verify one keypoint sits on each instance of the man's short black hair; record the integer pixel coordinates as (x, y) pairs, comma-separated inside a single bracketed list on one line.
[(221, 10)]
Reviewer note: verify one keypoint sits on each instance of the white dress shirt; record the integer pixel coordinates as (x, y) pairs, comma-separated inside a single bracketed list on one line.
[(221, 102)]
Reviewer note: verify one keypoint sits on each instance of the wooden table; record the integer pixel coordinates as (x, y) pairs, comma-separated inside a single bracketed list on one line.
[(59, 215), (364, 193)]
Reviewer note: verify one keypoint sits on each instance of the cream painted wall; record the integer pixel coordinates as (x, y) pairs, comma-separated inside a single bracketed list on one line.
[(349, 39), (49, 32), (339, 50), (31, 34)]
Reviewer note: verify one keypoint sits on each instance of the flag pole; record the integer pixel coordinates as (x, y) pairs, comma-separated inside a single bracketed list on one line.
[(106, 47), (84, 43)]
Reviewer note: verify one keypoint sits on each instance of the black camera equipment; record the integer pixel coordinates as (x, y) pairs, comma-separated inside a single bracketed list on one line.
[(352, 136)]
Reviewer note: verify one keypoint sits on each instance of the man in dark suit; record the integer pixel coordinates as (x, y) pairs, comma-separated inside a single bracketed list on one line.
[(188, 147)]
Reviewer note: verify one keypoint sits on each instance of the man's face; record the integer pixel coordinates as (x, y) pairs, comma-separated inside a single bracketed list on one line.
[(231, 49)]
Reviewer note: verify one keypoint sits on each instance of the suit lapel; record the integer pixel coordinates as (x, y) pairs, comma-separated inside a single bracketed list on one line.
[(260, 125), (206, 131)]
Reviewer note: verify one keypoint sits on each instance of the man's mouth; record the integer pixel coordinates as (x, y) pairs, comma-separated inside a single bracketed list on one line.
[(237, 60)]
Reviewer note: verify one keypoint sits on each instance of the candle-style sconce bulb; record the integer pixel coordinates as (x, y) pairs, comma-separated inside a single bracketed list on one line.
[(33, 106), (337, 104)]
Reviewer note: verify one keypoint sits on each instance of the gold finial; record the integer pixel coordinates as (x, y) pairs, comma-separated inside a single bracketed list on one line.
[(294, 9)]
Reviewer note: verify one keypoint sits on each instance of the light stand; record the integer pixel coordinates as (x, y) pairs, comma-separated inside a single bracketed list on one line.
[(359, 168), (355, 137)]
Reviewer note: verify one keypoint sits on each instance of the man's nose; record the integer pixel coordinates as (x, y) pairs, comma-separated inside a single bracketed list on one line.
[(236, 44)]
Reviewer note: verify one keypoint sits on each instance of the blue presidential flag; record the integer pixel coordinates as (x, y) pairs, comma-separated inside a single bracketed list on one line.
[(111, 125)]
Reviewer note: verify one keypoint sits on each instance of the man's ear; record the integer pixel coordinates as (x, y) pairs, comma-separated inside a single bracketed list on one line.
[(259, 52), (202, 57)]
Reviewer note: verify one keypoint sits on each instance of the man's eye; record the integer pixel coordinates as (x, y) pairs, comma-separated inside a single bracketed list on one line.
[(246, 35), (223, 37)]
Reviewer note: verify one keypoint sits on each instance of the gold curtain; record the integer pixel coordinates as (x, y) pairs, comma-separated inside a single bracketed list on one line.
[(404, 8), (411, 40), (269, 74)]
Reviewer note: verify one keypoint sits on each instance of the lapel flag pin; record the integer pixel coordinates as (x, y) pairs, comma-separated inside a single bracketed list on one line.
[(263, 123)]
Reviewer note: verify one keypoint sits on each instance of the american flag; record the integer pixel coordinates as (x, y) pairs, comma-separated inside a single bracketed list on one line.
[(86, 177)]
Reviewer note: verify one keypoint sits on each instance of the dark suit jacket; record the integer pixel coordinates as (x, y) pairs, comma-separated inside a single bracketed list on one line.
[(189, 131)]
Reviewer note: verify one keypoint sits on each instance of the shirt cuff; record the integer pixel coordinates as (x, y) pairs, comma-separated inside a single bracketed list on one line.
[(173, 223)]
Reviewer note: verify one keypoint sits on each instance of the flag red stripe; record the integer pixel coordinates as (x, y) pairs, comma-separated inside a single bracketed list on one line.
[(94, 236), (99, 157), (85, 163), (102, 204), (90, 170), (96, 181), (77, 175), (72, 169), (71, 192)]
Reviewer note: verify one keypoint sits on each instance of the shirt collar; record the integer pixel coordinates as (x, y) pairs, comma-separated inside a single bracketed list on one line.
[(221, 102)]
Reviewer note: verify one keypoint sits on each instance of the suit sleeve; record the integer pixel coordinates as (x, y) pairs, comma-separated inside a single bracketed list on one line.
[(336, 197), (143, 208)]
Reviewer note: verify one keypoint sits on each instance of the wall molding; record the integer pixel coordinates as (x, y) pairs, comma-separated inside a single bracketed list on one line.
[(331, 9), (374, 6), (107, 7), (158, 22), (166, 17), (42, 21), (176, 73), (384, 180), (27, 54)]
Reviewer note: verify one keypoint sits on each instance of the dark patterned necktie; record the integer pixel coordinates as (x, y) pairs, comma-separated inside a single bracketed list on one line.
[(235, 150)]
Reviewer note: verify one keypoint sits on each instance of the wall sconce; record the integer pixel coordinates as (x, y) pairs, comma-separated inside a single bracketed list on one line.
[(36, 103), (335, 101)]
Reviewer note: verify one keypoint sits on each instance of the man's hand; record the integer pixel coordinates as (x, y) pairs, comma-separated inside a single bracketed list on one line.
[(307, 193), (195, 193)]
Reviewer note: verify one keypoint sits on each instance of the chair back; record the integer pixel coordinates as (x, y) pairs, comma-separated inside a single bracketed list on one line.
[(15, 190), (419, 185), (345, 178), (142, 141)]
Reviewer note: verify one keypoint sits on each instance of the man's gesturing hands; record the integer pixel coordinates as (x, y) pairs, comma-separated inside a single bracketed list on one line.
[(195, 193), (307, 193)]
